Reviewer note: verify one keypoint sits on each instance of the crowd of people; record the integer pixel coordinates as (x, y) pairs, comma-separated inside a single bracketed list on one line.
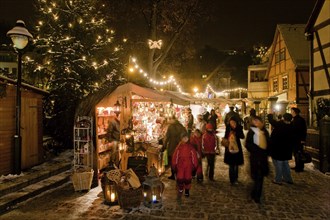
[(187, 144)]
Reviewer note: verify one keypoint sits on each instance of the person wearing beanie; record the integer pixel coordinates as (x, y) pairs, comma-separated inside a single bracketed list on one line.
[(184, 163), (209, 146)]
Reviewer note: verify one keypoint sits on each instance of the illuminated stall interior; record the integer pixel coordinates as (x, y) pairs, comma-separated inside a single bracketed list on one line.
[(143, 113)]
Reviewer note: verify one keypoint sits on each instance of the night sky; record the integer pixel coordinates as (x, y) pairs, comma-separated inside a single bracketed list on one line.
[(237, 23)]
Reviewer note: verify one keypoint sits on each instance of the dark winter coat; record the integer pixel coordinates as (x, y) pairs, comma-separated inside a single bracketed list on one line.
[(299, 129), (258, 157), (236, 158), (281, 140), (172, 136)]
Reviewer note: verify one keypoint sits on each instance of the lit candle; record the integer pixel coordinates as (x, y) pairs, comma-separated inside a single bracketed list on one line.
[(159, 170), (154, 198), (145, 194), (112, 197)]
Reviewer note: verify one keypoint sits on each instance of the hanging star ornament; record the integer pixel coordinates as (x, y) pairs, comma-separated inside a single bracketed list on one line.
[(155, 44)]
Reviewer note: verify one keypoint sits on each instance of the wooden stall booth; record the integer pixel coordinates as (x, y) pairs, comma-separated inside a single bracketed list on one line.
[(31, 125), (141, 115)]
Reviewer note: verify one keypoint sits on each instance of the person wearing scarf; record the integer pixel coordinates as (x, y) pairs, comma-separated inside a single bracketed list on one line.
[(257, 142)]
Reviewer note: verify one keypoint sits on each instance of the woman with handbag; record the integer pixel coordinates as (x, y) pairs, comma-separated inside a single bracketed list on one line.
[(233, 152)]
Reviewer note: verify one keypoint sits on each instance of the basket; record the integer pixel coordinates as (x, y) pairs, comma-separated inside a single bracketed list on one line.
[(129, 198), (82, 180)]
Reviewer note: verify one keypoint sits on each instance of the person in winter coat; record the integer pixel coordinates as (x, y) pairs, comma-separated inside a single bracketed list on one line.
[(257, 142), (232, 114), (184, 163), (213, 119), (209, 146), (281, 146), (172, 139), (196, 141), (234, 153), (299, 135), (200, 123)]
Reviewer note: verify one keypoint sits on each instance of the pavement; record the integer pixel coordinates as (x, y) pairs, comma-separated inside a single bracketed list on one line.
[(307, 198)]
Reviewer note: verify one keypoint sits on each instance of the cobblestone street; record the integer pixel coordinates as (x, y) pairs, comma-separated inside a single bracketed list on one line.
[(307, 198)]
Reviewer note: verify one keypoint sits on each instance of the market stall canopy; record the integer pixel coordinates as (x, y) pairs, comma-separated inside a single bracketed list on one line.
[(177, 95), (140, 94)]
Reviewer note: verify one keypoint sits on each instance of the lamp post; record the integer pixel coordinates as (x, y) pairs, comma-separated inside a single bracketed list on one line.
[(20, 37)]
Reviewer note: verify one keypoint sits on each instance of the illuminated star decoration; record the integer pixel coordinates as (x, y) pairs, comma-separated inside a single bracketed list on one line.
[(155, 44)]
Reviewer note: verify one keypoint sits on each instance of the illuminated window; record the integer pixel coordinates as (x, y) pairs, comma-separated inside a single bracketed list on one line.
[(257, 76), (275, 85), (285, 84)]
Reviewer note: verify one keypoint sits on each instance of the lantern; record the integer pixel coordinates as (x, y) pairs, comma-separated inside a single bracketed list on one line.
[(109, 187), (153, 189), (117, 108)]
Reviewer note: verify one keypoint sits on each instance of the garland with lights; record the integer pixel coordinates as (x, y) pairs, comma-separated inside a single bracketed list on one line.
[(171, 79), (224, 92)]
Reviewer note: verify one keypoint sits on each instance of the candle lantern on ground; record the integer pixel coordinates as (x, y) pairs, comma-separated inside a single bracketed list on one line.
[(153, 189), (108, 183)]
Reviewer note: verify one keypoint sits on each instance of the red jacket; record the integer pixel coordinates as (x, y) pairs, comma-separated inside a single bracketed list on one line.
[(197, 143), (209, 143), (184, 157)]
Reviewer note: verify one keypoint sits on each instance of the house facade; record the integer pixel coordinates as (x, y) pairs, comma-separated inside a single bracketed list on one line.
[(318, 34), (257, 93), (288, 69)]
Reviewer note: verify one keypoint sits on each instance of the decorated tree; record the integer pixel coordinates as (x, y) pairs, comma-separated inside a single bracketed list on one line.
[(160, 32), (75, 53)]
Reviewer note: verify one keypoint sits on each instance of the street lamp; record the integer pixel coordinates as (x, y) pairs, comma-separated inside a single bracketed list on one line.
[(20, 37)]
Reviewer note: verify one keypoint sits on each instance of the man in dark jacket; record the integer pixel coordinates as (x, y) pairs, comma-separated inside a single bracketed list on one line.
[(281, 146), (172, 139), (299, 134)]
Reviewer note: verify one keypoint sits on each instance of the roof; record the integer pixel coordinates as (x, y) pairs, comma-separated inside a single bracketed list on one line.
[(109, 94), (296, 44), (312, 19), (147, 94), (23, 85), (295, 41)]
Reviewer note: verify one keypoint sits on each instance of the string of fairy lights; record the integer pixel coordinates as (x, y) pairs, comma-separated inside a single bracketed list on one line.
[(171, 80), (133, 64), (224, 92)]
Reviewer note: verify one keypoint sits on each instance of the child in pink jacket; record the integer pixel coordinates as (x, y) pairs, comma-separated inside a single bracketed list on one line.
[(184, 162)]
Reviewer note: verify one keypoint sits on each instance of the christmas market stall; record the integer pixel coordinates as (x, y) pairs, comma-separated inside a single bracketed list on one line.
[(141, 113), (129, 121)]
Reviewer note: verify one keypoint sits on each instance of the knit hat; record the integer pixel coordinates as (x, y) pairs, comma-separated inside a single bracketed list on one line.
[(209, 126)]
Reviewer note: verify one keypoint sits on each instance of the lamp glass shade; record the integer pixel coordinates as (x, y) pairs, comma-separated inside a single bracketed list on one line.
[(19, 41), (19, 35)]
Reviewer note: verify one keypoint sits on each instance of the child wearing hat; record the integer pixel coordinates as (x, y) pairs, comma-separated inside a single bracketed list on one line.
[(184, 162), (209, 146)]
